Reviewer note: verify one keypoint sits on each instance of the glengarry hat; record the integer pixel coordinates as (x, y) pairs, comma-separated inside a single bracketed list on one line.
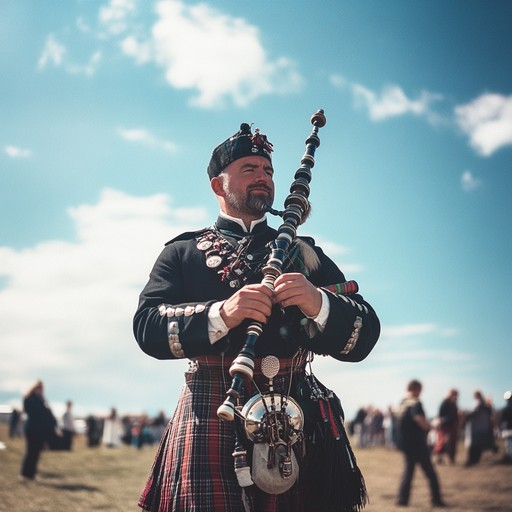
[(243, 143)]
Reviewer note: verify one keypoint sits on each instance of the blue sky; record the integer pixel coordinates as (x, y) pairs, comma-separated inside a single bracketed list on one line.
[(109, 112)]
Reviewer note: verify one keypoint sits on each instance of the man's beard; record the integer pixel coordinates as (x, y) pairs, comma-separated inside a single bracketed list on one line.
[(249, 204)]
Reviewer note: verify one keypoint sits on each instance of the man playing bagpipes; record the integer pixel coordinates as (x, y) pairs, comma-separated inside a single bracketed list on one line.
[(286, 449)]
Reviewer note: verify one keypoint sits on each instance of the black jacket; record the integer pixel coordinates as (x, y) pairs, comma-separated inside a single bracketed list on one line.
[(181, 279), (40, 419)]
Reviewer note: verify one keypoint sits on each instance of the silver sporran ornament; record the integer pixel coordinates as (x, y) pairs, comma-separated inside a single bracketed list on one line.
[(274, 423)]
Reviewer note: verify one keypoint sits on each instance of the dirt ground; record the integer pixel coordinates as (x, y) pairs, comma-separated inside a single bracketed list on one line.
[(486, 487), (110, 480)]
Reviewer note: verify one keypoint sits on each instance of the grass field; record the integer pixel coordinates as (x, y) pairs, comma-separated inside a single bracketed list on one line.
[(110, 479)]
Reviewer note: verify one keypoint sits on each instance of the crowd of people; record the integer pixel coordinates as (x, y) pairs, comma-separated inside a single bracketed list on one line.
[(477, 428), (43, 430), (405, 427), (133, 430)]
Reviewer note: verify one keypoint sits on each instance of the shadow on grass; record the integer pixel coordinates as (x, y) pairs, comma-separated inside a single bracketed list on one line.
[(62, 486), (50, 476), (74, 487)]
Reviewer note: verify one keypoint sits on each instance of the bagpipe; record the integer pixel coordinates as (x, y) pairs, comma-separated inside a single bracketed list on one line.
[(296, 210), (275, 424)]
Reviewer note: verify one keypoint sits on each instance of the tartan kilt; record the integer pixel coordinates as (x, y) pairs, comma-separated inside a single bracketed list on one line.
[(193, 470)]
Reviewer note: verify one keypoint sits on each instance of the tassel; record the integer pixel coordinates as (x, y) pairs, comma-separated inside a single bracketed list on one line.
[(302, 257), (330, 468), (309, 256)]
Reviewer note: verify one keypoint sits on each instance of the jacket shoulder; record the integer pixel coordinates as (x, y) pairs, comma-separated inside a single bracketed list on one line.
[(188, 235), (308, 239)]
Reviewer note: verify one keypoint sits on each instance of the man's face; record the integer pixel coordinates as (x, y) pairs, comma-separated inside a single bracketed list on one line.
[(248, 186)]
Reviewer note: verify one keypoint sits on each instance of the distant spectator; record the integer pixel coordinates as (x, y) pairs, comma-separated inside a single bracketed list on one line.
[(40, 428), (479, 430), (158, 426), (413, 431), (127, 422), (360, 427), (376, 427), (448, 428), (112, 430), (142, 433), (93, 430), (15, 424), (389, 425), (68, 427)]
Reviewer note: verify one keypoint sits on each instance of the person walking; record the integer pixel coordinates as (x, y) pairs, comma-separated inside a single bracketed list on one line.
[(413, 432)]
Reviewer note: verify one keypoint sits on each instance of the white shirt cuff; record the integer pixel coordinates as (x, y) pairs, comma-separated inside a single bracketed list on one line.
[(323, 314), (217, 329), (317, 324)]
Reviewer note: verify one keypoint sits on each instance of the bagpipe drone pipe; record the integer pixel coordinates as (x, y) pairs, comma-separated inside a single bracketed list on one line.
[(296, 210)]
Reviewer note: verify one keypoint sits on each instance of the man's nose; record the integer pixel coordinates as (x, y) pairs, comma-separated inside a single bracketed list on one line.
[(263, 176)]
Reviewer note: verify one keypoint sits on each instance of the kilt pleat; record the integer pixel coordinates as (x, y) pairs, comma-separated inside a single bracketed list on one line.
[(193, 469)]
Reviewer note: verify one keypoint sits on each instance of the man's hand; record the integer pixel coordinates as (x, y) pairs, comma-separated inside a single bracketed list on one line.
[(294, 289), (252, 301)]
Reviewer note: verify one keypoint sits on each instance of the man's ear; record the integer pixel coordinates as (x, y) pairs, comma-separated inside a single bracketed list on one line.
[(217, 186)]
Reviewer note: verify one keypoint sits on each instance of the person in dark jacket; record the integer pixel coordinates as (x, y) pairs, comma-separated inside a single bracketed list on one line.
[(203, 291), (413, 431), (15, 422), (479, 430), (448, 428), (40, 428)]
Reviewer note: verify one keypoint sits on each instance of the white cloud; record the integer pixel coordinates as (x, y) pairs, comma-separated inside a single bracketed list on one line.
[(449, 332), (202, 49), (143, 136), (67, 303), (88, 69), (487, 121), (140, 51), (392, 102), (218, 57), (338, 81), (114, 16), (407, 330), (15, 152), (82, 25), (56, 54), (53, 53), (338, 254), (468, 181)]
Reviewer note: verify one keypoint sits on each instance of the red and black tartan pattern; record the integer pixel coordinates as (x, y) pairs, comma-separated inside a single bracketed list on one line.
[(193, 470)]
